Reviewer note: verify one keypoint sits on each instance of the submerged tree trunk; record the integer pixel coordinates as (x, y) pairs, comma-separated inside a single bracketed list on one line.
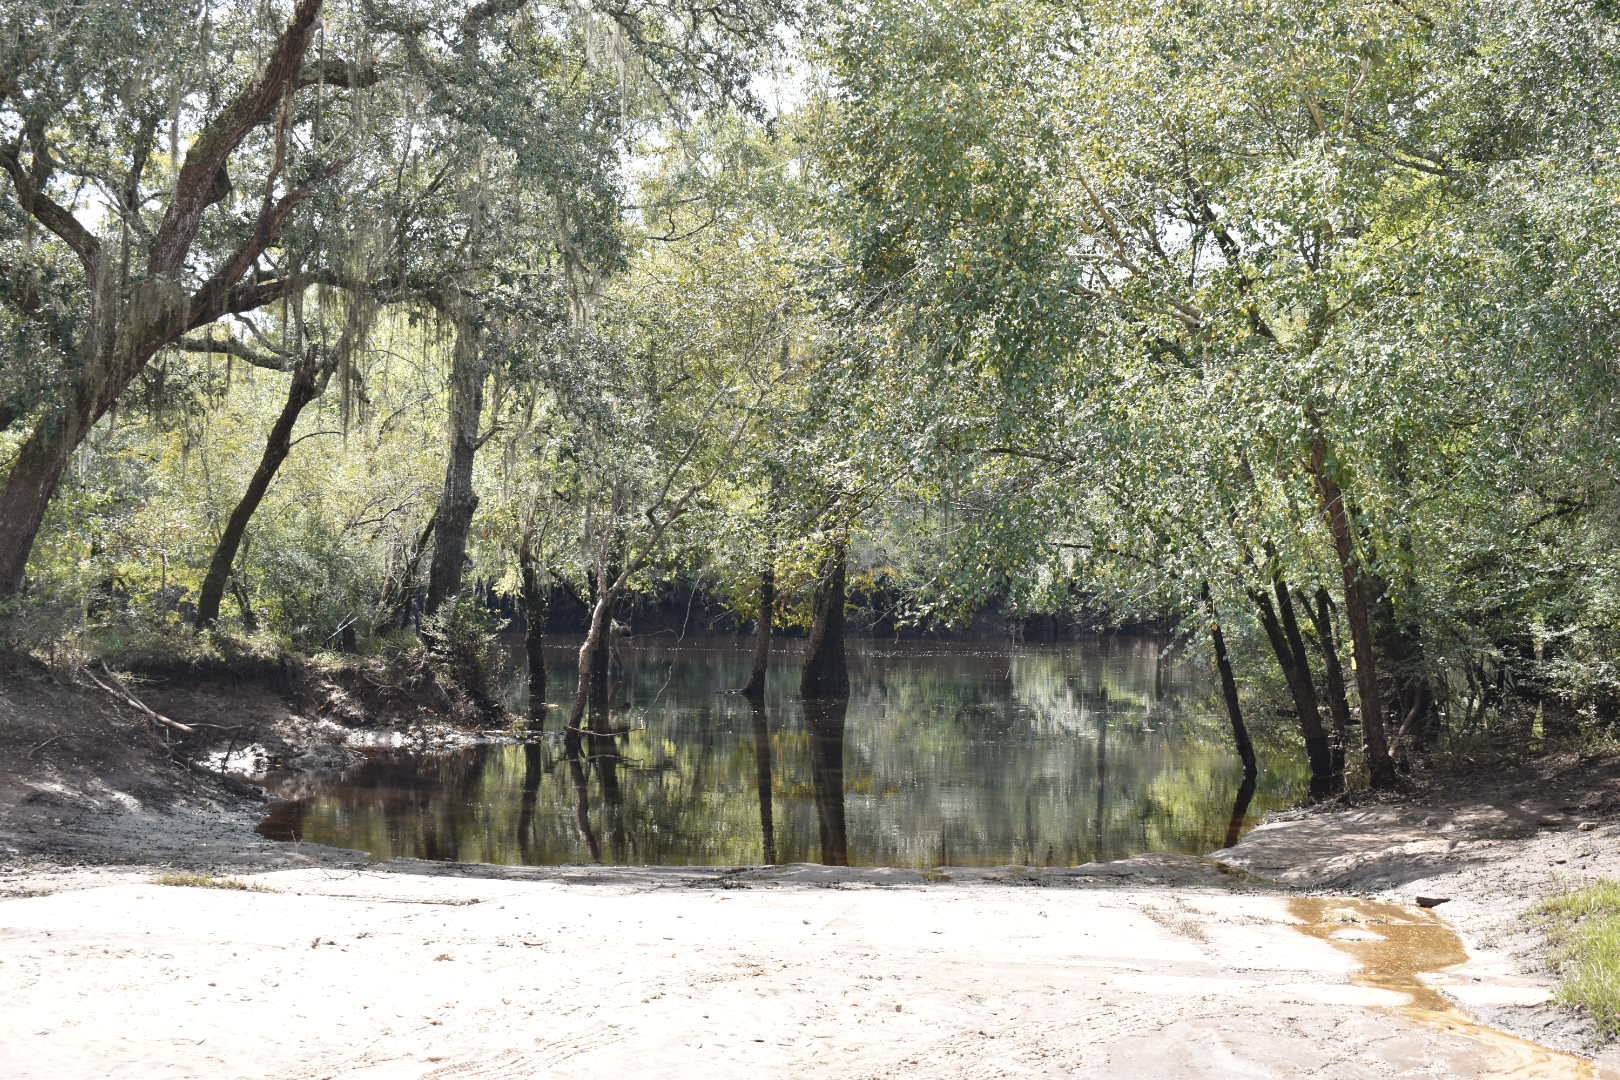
[(605, 755), (826, 669), (754, 689), (1301, 688), (1099, 817), (533, 767), (1357, 610), (595, 641), (457, 500), (824, 686), (534, 632), (1229, 691), (308, 381), (1333, 675)]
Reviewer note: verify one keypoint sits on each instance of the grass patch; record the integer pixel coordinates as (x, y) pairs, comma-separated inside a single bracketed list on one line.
[(1584, 929), (207, 881)]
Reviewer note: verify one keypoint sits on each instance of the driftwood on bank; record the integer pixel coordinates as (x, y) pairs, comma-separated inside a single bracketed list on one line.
[(119, 692)]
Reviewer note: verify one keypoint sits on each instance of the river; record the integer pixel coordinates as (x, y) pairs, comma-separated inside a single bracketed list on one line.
[(945, 755)]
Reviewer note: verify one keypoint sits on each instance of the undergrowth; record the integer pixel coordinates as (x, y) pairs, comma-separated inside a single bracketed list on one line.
[(1583, 927), (195, 880)]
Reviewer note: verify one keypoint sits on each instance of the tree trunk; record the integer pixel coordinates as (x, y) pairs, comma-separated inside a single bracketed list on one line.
[(1332, 759), (754, 689), (1408, 697), (602, 679), (1409, 691), (595, 638), (29, 486), (534, 633), (308, 380), (114, 350), (250, 621), (400, 617), (1333, 674), (458, 501), (1357, 610), (129, 324), (1300, 688), (1229, 691), (826, 669)]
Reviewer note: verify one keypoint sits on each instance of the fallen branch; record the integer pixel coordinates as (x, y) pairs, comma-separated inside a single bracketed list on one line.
[(40, 746), (129, 699)]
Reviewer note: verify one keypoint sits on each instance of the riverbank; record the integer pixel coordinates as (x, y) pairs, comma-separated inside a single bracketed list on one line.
[(1492, 841), (1162, 965)]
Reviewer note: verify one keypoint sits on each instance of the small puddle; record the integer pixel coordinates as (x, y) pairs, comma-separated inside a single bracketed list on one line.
[(1395, 945)]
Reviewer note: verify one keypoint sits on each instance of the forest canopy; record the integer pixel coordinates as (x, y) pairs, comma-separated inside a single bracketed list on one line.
[(1288, 327)]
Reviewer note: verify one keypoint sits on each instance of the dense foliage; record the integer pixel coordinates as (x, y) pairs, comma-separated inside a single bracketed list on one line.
[(1290, 317)]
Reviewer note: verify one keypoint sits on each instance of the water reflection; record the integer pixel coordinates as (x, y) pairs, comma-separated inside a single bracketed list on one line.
[(760, 720), (1040, 756), (824, 720), (1239, 821)]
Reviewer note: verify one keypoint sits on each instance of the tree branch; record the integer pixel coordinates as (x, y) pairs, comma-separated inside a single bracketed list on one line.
[(332, 71), (195, 186), (51, 214), (240, 349)]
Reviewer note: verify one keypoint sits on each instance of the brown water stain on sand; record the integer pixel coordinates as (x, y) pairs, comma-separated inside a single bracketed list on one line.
[(1397, 944)]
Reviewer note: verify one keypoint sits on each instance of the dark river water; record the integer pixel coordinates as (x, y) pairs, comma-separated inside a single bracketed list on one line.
[(945, 755)]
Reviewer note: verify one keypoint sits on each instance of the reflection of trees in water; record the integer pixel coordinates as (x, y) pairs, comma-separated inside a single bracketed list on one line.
[(605, 760), (443, 810), (582, 803), (824, 722), (1102, 770), (1240, 811), (534, 767), (760, 721), (938, 765)]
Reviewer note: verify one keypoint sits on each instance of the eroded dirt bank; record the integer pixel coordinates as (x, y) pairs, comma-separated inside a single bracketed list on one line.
[(1163, 966)]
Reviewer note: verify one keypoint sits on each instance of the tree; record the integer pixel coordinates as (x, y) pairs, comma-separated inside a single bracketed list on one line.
[(1204, 244), (195, 237), (85, 110)]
